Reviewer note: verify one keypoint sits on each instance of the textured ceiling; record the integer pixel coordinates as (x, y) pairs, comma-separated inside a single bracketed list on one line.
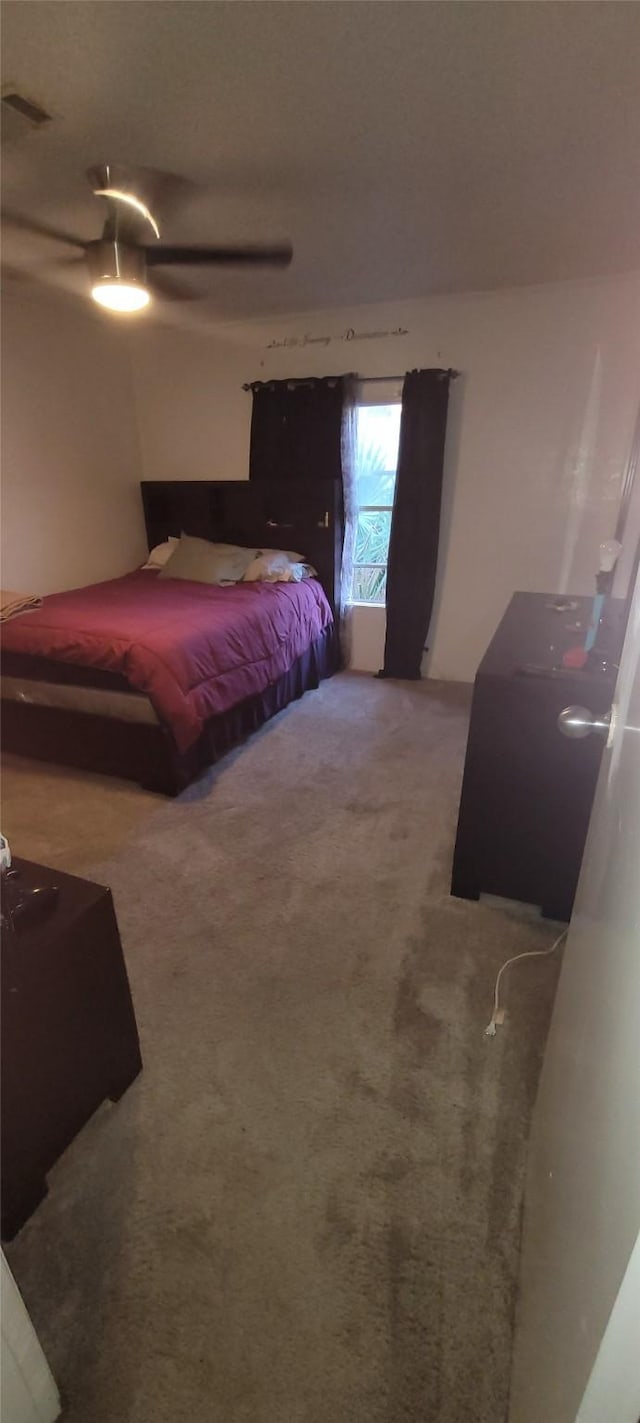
[(405, 148)]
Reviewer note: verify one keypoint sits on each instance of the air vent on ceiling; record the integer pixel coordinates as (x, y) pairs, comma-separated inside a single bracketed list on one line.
[(20, 116), (26, 108)]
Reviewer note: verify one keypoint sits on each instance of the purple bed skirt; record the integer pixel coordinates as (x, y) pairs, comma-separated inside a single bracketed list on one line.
[(321, 659)]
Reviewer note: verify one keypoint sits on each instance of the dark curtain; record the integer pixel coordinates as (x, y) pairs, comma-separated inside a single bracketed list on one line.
[(349, 507), (296, 429), (415, 525)]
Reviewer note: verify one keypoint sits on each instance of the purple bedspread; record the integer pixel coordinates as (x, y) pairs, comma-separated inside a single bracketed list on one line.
[(192, 648)]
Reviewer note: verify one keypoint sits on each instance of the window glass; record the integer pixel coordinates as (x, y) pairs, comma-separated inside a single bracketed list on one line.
[(377, 437)]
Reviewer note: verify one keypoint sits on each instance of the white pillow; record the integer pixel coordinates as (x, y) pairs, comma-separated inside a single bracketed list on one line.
[(269, 567), (276, 566), (161, 554), (299, 571), (286, 553)]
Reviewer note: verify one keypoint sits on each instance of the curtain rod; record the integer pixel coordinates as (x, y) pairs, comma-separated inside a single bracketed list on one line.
[(372, 380), (364, 380)]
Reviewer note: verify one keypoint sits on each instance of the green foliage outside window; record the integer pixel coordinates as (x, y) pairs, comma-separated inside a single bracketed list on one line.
[(376, 460)]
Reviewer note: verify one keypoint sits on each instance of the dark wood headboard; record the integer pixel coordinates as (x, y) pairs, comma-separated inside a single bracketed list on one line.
[(303, 515)]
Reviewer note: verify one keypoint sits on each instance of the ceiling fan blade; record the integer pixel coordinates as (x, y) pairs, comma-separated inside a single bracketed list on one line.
[(162, 255), (10, 273), (78, 260), (170, 289), (21, 223)]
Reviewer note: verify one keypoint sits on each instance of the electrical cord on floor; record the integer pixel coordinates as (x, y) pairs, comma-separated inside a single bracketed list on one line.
[(498, 1014)]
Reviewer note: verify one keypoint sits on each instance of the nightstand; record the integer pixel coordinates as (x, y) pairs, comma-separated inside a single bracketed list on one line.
[(69, 1034)]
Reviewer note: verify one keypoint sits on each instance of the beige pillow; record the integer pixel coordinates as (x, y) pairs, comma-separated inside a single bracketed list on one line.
[(200, 561), (161, 553)]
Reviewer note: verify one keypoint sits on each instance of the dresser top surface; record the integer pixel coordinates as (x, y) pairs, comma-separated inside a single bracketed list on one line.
[(538, 628)]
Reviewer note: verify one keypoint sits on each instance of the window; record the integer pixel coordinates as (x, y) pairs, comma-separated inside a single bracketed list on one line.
[(377, 436)]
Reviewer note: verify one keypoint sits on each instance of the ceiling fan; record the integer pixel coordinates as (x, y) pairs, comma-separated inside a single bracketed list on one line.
[(122, 266)]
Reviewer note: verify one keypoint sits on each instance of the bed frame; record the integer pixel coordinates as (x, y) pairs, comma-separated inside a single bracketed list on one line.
[(304, 516)]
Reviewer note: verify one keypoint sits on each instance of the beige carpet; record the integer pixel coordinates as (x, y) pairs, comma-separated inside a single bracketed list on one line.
[(307, 1209)]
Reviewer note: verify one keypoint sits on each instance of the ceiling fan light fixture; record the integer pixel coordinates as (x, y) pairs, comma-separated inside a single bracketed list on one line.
[(119, 196), (120, 296)]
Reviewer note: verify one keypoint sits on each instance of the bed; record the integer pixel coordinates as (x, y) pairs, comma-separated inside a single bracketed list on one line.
[(154, 679)]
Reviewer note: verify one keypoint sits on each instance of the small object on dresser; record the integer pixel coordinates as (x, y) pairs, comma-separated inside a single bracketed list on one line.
[(34, 903), (24, 904), (577, 657)]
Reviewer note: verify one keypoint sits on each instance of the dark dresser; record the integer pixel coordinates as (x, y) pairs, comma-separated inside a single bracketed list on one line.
[(527, 790), (69, 1035)]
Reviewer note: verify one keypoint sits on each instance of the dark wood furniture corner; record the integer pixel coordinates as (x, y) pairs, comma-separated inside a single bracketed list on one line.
[(69, 1035), (527, 791)]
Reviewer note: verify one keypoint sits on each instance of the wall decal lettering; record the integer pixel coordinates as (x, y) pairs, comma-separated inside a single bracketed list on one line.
[(287, 343)]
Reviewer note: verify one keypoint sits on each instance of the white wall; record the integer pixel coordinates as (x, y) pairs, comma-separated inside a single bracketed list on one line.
[(192, 414), (615, 1374), (71, 510), (28, 1393), (539, 430)]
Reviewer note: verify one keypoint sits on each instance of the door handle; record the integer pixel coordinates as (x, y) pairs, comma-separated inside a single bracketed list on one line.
[(576, 722)]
